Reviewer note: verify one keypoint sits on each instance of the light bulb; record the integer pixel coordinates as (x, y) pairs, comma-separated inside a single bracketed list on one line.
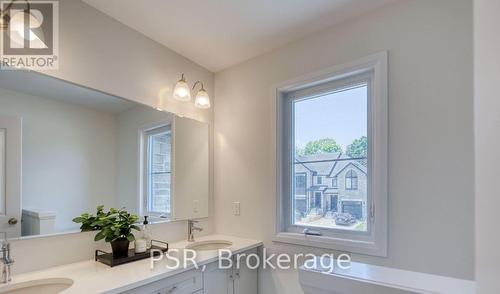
[(17, 24), (202, 99), (182, 91)]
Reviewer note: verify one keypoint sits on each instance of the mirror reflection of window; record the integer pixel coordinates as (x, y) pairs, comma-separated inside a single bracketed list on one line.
[(158, 174)]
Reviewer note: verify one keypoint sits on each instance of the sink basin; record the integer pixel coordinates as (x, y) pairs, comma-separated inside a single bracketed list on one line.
[(209, 245), (45, 286)]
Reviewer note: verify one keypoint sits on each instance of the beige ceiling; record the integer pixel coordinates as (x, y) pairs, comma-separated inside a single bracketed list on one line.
[(220, 33)]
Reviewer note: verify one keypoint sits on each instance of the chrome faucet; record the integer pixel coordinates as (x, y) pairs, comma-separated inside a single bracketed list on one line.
[(191, 229), (7, 262)]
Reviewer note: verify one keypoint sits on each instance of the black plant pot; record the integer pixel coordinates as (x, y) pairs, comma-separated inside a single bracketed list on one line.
[(120, 247)]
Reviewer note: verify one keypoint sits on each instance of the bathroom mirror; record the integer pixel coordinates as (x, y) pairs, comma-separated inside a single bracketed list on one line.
[(64, 149)]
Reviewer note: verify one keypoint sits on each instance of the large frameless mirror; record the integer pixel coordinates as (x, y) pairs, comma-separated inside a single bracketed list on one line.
[(65, 149)]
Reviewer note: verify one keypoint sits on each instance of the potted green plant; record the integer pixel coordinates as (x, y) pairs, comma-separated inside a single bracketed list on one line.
[(115, 226)]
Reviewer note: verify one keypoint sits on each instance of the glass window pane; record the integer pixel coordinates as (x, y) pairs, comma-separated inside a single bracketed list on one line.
[(160, 193), (330, 134), (159, 172), (300, 184)]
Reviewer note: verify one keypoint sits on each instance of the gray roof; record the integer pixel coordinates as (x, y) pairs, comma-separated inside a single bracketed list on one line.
[(327, 164)]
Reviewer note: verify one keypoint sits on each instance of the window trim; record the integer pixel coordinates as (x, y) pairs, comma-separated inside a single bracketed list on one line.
[(373, 242), (144, 134)]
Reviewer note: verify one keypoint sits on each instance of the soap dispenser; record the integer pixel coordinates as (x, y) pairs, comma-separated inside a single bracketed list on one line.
[(146, 231)]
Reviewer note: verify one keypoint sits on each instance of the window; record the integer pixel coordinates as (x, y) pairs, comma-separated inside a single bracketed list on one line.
[(344, 107), (351, 180), (157, 171), (300, 184), (335, 123)]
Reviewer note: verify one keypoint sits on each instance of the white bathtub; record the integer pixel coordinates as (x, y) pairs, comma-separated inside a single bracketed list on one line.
[(363, 278)]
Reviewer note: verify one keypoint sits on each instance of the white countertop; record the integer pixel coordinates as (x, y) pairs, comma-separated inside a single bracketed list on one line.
[(393, 278), (94, 277)]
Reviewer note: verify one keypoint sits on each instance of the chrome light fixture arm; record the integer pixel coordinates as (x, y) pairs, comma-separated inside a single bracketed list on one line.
[(196, 83)]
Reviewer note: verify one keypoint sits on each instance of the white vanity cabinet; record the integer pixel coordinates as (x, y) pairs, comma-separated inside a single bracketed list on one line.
[(242, 280), (212, 280)]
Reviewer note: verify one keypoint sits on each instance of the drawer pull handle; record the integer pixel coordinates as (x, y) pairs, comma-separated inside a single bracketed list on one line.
[(172, 289)]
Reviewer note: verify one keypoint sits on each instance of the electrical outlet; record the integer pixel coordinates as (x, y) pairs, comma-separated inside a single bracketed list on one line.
[(236, 208), (196, 205)]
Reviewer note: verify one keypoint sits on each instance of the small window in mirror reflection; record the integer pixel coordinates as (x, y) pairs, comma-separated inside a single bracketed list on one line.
[(157, 194)]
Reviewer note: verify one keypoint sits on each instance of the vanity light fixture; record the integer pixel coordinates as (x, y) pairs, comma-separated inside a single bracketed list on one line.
[(202, 99), (182, 92)]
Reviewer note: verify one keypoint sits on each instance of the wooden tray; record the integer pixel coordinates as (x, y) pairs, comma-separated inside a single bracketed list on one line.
[(107, 258)]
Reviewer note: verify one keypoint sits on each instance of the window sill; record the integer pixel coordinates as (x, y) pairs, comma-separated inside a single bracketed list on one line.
[(352, 246)]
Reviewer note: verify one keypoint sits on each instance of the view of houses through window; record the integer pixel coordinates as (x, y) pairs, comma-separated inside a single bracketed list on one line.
[(330, 160)]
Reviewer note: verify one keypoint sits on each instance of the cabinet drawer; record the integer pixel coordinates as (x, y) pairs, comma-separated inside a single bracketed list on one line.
[(184, 283)]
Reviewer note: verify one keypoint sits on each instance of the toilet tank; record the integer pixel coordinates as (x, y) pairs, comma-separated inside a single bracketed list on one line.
[(37, 222)]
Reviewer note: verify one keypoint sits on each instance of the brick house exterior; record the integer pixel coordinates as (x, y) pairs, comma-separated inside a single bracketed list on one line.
[(330, 182)]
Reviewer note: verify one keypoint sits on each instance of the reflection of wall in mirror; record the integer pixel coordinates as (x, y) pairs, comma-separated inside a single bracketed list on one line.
[(191, 169), (62, 172), (76, 157)]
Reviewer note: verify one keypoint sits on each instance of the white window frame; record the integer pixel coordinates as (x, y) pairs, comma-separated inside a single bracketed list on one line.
[(144, 171), (374, 241)]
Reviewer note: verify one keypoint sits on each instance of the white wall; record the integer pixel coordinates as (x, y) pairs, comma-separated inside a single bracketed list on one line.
[(431, 179), (487, 126), (62, 172), (99, 52)]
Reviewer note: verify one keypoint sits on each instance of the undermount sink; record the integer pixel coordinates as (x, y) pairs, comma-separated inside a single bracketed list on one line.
[(209, 245), (45, 286)]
